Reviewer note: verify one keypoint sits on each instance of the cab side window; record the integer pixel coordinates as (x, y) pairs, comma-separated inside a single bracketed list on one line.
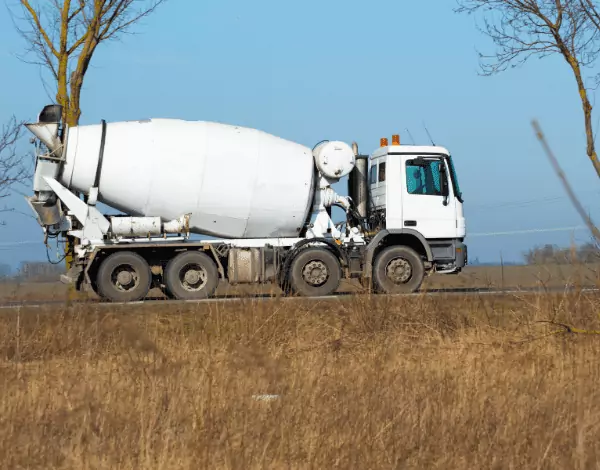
[(423, 178), (382, 172), (373, 178)]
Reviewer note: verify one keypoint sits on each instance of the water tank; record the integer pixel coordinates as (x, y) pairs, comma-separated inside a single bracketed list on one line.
[(236, 182)]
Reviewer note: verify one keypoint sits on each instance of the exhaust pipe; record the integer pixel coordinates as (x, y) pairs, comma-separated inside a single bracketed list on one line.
[(358, 182)]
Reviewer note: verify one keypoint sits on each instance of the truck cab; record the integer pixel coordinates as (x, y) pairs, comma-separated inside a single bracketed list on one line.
[(414, 191)]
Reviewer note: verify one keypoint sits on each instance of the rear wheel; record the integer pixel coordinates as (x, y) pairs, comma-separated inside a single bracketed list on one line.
[(191, 276), (123, 277), (315, 272), (398, 270)]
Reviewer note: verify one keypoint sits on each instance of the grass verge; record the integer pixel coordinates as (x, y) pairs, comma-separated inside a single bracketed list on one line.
[(445, 382)]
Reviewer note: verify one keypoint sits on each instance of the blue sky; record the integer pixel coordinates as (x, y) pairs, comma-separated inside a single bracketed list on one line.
[(347, 70)]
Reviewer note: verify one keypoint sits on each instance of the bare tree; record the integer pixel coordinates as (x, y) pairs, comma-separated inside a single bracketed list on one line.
[(521, 29), (63, 36), (13, 165)]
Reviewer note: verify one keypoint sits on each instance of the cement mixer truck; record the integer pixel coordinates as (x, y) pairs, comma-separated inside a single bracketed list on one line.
[(261, 205)]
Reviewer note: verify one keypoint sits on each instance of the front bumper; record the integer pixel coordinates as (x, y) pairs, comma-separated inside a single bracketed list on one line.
[(462, 255)]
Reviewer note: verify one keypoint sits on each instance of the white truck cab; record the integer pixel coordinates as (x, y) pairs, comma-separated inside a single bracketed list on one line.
[(415, 190)]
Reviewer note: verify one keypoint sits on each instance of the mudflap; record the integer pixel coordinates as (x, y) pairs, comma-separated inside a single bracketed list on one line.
[(74, 276)]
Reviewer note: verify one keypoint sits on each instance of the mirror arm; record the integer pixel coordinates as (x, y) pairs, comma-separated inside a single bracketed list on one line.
[(445, 183)]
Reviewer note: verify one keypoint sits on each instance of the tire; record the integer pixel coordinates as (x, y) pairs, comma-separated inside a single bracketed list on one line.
[(323, 283), (135, 280), (410, 270), (203, 276)]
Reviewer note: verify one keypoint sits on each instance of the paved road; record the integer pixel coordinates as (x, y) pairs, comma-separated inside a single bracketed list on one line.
[(12, 305)]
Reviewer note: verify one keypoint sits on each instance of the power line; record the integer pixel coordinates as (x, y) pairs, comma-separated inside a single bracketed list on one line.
[(535, 230), (19, 243), (517, 203), (525, 202)]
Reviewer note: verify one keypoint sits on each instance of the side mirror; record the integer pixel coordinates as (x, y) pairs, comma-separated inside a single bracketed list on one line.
[(443, 179), (444, 186)]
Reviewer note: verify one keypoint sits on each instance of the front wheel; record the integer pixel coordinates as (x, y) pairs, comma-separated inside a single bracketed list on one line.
[(398, 270), (191, 275)]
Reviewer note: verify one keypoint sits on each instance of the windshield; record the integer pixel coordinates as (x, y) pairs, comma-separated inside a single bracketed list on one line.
[(455, 184)]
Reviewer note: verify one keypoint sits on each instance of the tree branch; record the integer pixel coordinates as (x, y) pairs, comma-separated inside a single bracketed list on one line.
[(40, 29), (565, 182), (13, 168), (521, 29), (64, 35)]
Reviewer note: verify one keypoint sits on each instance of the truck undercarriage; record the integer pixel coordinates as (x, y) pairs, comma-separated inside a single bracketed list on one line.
[(391, 263)]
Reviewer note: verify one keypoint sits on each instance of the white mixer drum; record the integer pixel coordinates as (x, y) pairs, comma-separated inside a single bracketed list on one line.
[(236, 182)]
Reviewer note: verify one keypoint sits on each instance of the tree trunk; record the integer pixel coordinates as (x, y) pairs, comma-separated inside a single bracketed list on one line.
[(587, 112), (62, 94), (71, 114), (74, 100)]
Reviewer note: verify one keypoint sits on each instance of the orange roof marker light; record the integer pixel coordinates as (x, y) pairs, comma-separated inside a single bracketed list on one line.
[(384, 142), (396, 139)]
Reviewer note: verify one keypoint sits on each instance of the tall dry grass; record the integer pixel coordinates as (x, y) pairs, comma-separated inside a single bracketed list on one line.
[(363, 383)]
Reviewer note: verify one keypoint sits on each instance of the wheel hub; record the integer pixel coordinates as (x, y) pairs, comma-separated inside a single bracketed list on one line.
[(194, 277), (125, 278), (315, 273), (399, 271)]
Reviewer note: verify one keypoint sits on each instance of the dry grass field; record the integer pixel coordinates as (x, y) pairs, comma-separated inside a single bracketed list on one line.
[(449, 382), (542, 276)]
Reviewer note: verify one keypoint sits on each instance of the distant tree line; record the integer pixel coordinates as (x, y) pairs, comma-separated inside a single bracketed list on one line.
[(477, 262), (32, 271), (552, 254), (5, 271)]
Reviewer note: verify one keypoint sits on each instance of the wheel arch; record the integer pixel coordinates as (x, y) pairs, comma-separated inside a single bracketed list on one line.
[(301, 245), (385, 238)]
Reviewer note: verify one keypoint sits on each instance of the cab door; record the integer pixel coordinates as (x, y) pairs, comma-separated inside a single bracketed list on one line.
[(428, 205)]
